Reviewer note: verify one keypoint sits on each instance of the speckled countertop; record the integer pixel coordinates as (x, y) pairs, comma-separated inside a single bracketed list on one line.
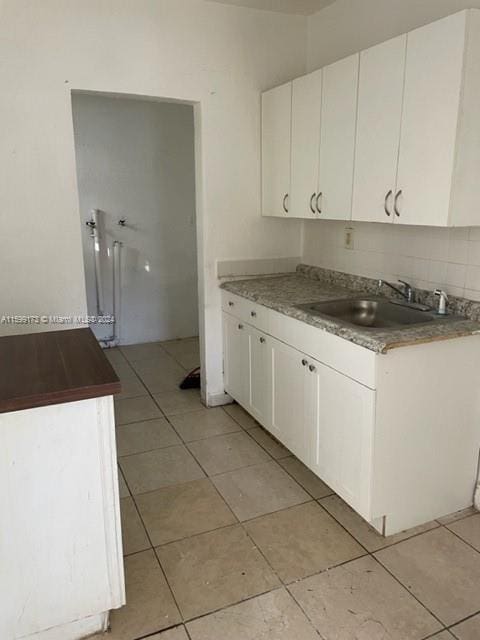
[(310, 284)]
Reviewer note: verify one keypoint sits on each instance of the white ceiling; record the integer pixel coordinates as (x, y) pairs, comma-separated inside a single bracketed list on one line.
[(302, 7)]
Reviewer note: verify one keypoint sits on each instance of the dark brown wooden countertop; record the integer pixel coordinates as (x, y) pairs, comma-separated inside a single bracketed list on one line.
[(53, 367)]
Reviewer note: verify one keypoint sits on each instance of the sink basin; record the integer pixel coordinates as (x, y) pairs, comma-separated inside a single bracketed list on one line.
[(370, 313)]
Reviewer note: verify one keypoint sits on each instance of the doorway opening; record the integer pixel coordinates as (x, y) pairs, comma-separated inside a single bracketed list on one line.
[(136, 181)]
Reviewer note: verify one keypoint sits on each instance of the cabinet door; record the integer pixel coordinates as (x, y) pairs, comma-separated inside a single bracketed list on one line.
[(260, 404), (433, 82), (380, 91), (288, 395), (236, 359), (343, 412), (306, 110), (276, 134), (337, 140)]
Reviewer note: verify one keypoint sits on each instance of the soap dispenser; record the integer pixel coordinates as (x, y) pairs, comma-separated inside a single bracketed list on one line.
[(442, 302)]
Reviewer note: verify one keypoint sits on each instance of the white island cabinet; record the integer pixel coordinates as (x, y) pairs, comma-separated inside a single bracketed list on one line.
[(396, 434), (61, 565)]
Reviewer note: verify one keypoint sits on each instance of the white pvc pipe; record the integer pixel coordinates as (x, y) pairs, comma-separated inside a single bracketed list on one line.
[(117, 249), (113, 339), (97, 262)]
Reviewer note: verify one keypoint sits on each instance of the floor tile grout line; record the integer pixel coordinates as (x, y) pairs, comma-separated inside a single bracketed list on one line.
[(380, 564), (262, 446), (271, 513), (195, 535), (233, 604), (225, 526), (167, 353), (469, 617), (158, 560), (139, 453), (388, 546), (186, 620), (371, 554), (463, 517), (231, 404), (299, 605), (460, 538), (152, 635), (127, 424), (410, 592), (304, 488), (125, 481)]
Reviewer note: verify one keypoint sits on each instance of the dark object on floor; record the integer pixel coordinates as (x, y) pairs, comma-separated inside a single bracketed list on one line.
[(192, 381)]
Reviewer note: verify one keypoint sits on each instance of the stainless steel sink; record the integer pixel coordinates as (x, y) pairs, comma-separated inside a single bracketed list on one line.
[(371, 313)]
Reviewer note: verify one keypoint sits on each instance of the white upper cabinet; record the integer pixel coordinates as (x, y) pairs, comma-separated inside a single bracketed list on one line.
[(378, 130), (408, 131), (276, 137), (306, 109), (431, 102), (337, 140)]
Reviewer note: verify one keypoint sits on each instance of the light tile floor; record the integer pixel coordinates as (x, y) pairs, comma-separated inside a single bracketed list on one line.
[(229, 537)]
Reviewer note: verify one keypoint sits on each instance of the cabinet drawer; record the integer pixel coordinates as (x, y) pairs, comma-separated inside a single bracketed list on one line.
[(246, 310)]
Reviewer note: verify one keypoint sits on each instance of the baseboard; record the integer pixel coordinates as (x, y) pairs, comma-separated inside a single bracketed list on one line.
[(218, 399), (77, 630)]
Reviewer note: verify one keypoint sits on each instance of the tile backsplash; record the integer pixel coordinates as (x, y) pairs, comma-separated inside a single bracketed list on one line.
[(428, 257)]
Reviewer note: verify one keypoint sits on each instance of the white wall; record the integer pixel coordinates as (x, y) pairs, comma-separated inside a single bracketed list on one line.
[(135, 160), (348, 26), (217, 56), (428, 257)]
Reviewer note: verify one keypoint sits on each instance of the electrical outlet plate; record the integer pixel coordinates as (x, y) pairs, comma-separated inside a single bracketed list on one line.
[(348, 238)]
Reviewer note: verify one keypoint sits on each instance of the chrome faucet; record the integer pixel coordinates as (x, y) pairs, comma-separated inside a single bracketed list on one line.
[(408, 292)]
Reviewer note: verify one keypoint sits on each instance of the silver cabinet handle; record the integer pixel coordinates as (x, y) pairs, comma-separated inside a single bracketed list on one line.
[(262, 340), (285, 208), (385, 207), (240, 326), (317, 201), (253, 314), (230, 304), (395, 203), (304, 362), (312, 368), (311, 202)]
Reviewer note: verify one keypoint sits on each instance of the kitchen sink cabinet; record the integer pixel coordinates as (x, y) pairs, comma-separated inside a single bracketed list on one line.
[(342, 427), (395, 435)]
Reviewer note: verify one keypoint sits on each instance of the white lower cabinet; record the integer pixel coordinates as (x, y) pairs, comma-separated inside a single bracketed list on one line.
[(324, 417), (236, 349), (289, 386), (395, 435), (260, 376), (342, 419)]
